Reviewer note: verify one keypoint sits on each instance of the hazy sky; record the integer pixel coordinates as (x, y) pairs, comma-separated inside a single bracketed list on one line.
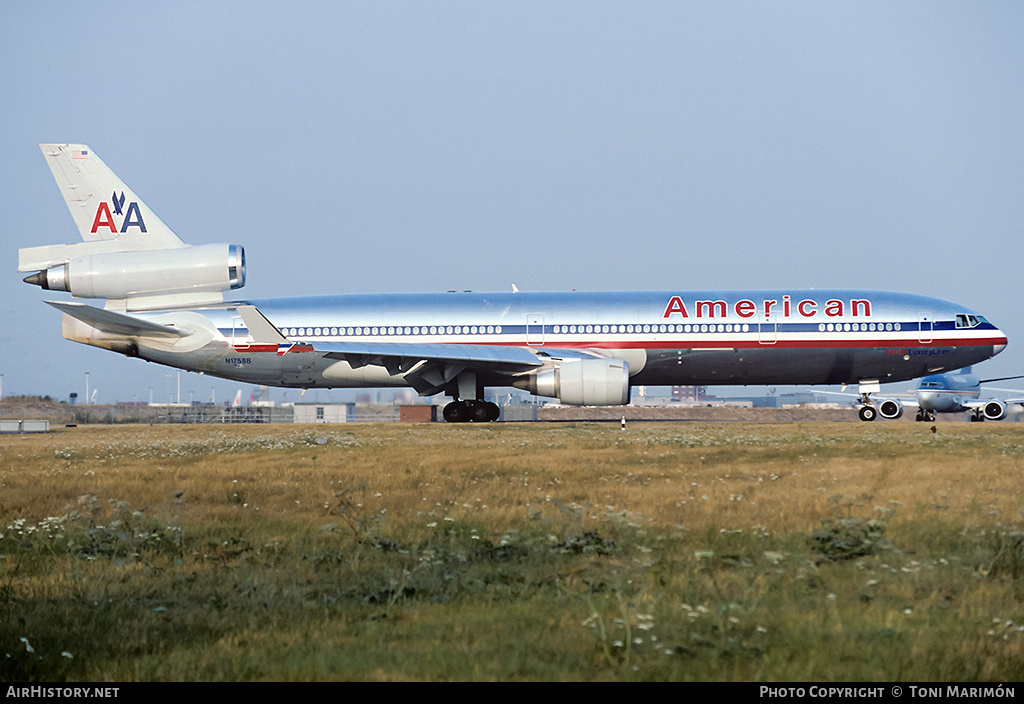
[(412, 146)]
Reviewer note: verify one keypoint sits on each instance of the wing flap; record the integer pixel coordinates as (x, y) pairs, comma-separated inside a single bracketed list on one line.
[(431, 368), (403, 357)]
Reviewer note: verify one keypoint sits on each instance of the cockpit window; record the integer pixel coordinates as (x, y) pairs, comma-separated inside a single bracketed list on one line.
[(964, 320)]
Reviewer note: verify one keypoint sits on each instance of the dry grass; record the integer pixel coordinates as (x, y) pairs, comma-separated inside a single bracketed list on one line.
[(540, 551)]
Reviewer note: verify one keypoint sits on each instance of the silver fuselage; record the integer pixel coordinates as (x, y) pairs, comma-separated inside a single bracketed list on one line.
[(667, 337), (948, 393)]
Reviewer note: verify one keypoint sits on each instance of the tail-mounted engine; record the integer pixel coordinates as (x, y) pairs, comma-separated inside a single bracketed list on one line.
[(202, 269), (581, 382)]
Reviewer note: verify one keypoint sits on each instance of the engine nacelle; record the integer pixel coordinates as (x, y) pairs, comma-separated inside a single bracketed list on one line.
[(582, 382), (890, 409), (994, 410), (205, 268)]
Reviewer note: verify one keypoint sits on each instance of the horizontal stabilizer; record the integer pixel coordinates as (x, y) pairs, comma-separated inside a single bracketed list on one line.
[(116, 323)]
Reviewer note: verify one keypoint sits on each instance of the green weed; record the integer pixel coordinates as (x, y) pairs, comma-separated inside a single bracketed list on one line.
[(434, 553)]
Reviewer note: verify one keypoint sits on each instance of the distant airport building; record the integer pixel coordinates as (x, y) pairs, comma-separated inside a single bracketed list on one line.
[(418, 413), (211, 413), (324, 412), (794, 399), (689, 393)]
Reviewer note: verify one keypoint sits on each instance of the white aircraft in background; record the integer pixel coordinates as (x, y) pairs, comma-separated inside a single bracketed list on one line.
[(953, 392), (165, 304)]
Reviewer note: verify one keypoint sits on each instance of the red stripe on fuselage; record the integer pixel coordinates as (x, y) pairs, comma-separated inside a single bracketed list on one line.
[(253, 349), (778, 342), (673, 344)]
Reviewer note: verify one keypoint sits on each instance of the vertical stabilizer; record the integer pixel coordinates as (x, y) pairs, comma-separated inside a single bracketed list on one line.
[(103, 207)]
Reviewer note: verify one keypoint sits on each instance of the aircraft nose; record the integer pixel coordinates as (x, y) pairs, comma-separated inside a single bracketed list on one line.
[(1000, 344)]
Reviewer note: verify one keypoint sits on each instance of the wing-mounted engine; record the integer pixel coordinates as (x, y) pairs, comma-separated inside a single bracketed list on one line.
[(150, 278), (890, 408), (994, 410), (581, 382)]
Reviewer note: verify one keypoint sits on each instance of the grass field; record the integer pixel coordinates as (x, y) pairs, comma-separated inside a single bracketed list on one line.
[(667, 551)]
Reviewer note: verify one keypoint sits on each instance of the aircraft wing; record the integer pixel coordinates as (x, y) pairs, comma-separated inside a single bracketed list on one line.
[(116, 323), (1017, 399), (498, 358), (401, 357), (980, 403)]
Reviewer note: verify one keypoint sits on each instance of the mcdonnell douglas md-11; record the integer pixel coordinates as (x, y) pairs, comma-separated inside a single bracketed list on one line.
[(165, 304)]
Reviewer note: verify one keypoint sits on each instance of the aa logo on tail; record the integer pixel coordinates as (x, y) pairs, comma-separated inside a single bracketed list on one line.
[(105, 219)]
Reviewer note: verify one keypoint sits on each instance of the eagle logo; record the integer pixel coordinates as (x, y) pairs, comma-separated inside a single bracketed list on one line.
[(118, 203)]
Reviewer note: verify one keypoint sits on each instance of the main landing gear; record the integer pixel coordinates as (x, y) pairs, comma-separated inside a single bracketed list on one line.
[(924, 415), (466, 411), (465, 385)]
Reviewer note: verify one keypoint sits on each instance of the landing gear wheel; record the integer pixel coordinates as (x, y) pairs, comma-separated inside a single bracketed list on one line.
[(480, 412), (456, 412), (867, 413), (476, 411), (483, 411)]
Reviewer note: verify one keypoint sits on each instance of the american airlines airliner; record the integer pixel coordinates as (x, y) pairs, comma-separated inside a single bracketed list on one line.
[(952, 392), (165, 304)]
